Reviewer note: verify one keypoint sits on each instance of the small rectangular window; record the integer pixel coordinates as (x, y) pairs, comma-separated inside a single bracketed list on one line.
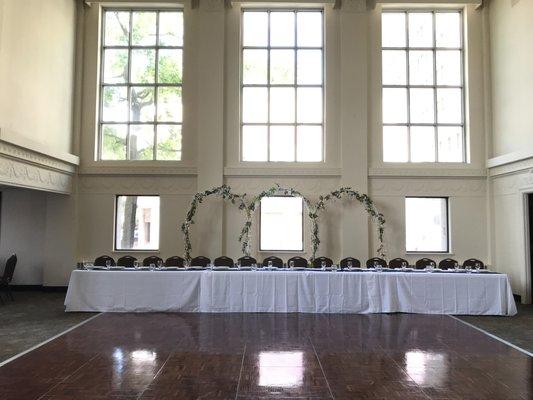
[(137, 223), (140, 85), (426, 224), (281, 224)]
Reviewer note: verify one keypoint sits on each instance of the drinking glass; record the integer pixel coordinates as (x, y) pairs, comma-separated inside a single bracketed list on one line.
[(152, 266), (456, 266), (323, 265), (108, 264), (270, 264), (350, 264), (478, 266), (468, 268), (404, 265), (254, 267), (159, 264), (136, 264), (375, 264), (291, 264), (335, 268), (238, 263)]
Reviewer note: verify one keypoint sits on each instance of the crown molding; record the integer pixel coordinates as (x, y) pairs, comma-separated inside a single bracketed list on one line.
[(426, 172)]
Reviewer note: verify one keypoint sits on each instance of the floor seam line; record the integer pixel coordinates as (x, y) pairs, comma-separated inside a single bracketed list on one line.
[(240, 373), (155, 376), (322, 369)]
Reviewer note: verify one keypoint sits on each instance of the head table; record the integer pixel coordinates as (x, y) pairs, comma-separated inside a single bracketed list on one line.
[(308, 291)]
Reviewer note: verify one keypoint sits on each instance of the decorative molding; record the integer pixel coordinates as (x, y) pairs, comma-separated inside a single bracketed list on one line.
[(473, 187), (137, 170), (310, 186), (185, 185), (510, 163), (426, 172), (512, 184), (276, 171)]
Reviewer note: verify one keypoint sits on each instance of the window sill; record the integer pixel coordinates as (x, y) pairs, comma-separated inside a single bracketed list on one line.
[(135, 251), (427, 253)]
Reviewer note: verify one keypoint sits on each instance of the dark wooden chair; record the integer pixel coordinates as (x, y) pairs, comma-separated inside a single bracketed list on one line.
[(126, 261), (355, 262), (299, 262), (276, 261), (424, 262), (223, 261), (152, 260), (398, 263), (175, 261), (100, 261), (7, 277), (317, 262), (200, 261), (471, 262), (380, 261), (447, 263), (247, 261)]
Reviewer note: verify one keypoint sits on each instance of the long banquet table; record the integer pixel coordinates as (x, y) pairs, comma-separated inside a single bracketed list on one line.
[(290, 291)]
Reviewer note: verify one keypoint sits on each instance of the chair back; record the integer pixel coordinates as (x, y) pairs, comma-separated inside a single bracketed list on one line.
[(9, 270), (471, 262), (247, 261), (200, 261), (317, 262), (126, 261), (299, 262), (276, 261), (447, 263), (398, 262), (380, 261), (424, 262), (223, 261), (151, 260), (355, 262), (174, 261), (100, 261)]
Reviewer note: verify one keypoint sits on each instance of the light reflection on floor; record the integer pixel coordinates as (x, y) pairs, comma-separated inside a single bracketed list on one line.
[(427, 368), (281, 369)]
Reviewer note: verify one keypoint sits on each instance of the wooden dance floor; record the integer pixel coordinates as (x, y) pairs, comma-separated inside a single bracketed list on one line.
[(266, 356)]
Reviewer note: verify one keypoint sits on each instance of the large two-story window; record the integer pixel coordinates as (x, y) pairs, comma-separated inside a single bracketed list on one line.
[(282, 86), (423, 86), (141, 78)]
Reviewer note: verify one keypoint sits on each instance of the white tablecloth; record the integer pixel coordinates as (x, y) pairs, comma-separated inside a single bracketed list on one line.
[(290, 291)]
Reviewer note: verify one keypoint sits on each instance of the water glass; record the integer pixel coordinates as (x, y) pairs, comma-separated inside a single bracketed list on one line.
[(238, 263), (323, 265), (468, 268), (291, 264), (404, 266), (270, 264), (159, 264), (350, 264), (108, 264), (478, 266), (152, 266), (456, 266)]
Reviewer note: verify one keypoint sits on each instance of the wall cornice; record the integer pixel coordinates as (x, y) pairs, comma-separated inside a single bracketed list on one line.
[(278, 171), (393, 186), (137, 170), (510, 163), (426, 172)]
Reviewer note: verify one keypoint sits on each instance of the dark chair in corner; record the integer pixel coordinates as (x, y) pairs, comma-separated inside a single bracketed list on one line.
[(424, 262), (380, 261), (448, 263), (6, 279), (152, 260), (126, 261), (247, 261), (299, 262), (175, 261), (317, 262), (471, 262), (276, 262), (398, 263), (355, 262), (101, 261), (200, 261), (223, 261)]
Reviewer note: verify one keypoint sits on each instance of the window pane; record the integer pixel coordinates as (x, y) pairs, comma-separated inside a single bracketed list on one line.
[(115, 66), (254, 143), (170, 68), (448, 29), (142, 108), (255, 28), (143, 28), (137, 223), (169, 142), (141, 142), (426, 224), (449, 67), (142, 66), (394, 69), (450, 143), (282, 29), (117, 28), (309, 108), (282, 105), (286, 212), (309, 143), (422, 105), (309, 26), (393, 33), (169, 108), (282, 143), (282, 66), (254, 66), (421, 67), (449, 107), (171, 28), (395, 144), (394, 105), (254, 104), (115, 103), (114, 142), (309, 67), (423, 144), (420, 29)]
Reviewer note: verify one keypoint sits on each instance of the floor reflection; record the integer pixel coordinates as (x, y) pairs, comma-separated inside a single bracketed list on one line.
[(281, 369), (427, 368)]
